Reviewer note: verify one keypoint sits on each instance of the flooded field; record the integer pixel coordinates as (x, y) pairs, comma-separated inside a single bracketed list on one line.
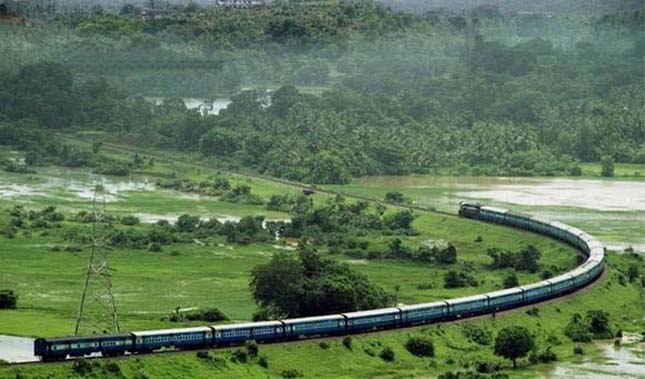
[(613, 210), (625, 361)]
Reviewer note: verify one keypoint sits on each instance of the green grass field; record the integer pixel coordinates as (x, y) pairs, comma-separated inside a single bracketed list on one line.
[(149, 285)]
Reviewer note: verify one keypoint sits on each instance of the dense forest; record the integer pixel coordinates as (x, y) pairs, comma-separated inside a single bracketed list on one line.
[(482, 92)]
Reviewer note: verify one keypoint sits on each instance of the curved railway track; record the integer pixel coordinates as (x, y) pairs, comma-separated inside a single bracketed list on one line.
[(279, 331)]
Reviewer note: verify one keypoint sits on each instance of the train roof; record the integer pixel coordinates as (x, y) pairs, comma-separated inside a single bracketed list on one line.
[(535, 285), (423, 306), (523, 215), (466, 299), (247, 325), (95, 337), (197, 329), (494, 209), (371, 312), (560, 278), (508, 291), (313, 319)]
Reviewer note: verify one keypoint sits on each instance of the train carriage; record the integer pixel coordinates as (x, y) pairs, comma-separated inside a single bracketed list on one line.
[(173, 338), (60, 348), (505, 299), (296, 327), (537, 291), (420, 313), (467, 306), (373, 319)]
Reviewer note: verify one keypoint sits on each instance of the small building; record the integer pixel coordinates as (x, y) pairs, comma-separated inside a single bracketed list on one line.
[(241, 4)]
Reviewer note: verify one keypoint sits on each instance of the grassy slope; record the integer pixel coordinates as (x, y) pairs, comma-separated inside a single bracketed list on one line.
[(453, 349)]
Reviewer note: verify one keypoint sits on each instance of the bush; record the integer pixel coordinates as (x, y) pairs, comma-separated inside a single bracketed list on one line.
[(545, 356), (578, 350), (202, 355), (347, 342), (129, 220), (154, 247), (251, 348), (240, 355), (420, 346), (511, 281), (8, 299), (112, 368), (82, 366), (291, 373), (459, 279), (324, 345), (387, 354), (477, 334), (263, 361)]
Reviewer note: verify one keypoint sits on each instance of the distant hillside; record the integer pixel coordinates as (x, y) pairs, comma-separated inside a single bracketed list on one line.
[(551, 6)]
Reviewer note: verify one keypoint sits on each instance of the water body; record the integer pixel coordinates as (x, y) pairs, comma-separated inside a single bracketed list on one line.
[(625, 361), (207, 107)]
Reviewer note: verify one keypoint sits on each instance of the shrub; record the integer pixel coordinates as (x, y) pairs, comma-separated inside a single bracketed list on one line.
[(477, 334), (535, 312), (129, 220), (112, 368), (324, 345), (82, 366), (347, 342), (291, 373), (240, 355), (578, 350), (387, 354), (8, 299), (458, 279), (598, 321), (511, 281), (251, 348), (479, 239), (545, 356), (202, 355), (263, 361), (420, 346), (154, 247)]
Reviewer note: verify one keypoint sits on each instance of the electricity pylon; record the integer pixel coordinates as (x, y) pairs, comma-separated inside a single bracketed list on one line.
[(97, 311)]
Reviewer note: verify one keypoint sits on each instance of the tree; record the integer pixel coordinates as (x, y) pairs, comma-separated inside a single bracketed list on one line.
[(607, 164), (598, 322), (514, 342), (279, 283)]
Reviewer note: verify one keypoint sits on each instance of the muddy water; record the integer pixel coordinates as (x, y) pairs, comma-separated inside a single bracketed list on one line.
[(626, 361), (16, 349), (60, 184)]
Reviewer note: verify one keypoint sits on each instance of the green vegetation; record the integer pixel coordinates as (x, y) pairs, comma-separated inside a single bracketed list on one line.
[(354, 90), (310, 286)]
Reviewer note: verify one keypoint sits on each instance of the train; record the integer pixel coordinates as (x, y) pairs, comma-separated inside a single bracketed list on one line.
[(52, 349)]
